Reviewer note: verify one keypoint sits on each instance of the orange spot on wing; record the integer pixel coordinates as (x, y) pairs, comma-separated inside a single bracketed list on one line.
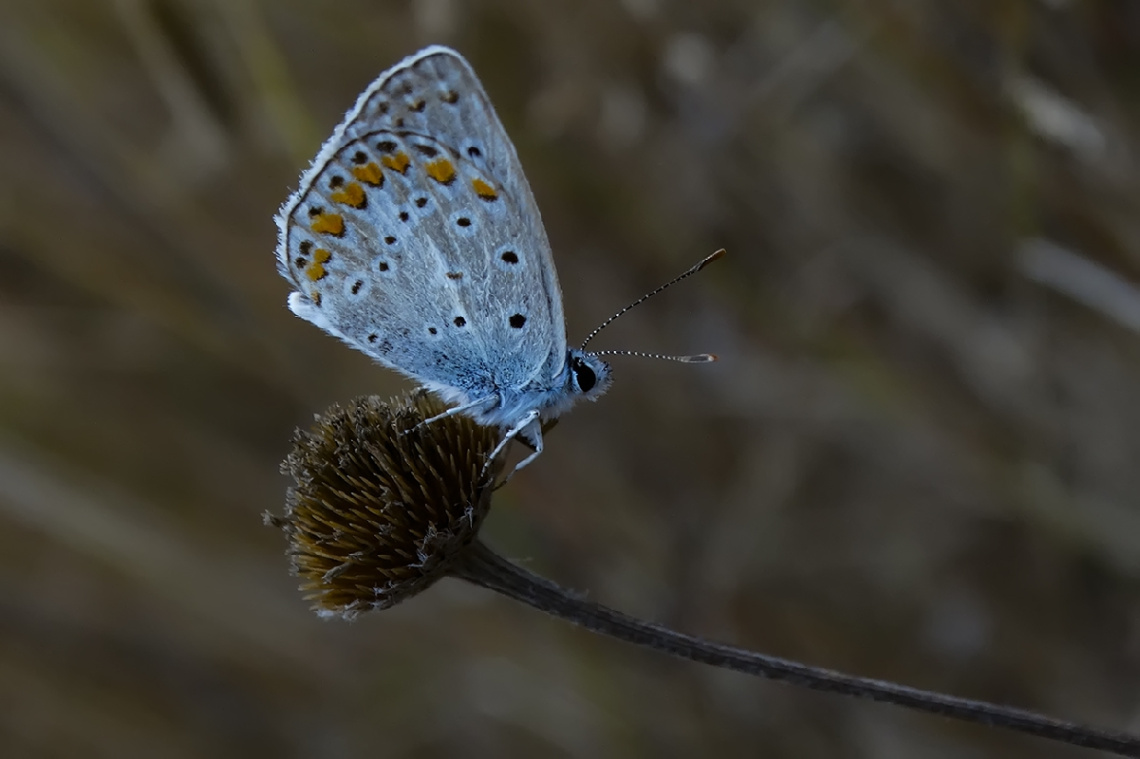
[(316, 270), (484, 190), (328, 223), (352, 194), (441, 170), (369, 173), (398, 162)]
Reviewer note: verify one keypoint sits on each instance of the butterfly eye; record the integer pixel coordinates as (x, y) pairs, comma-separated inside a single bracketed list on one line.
[(584, 375)]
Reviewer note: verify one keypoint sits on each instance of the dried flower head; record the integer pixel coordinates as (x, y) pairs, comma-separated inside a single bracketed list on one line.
[(381, 506)]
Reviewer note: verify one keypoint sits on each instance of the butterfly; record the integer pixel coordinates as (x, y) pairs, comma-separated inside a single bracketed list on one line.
[(414, 238)]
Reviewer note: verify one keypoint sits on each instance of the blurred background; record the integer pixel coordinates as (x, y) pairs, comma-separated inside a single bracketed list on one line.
[(916, 460)]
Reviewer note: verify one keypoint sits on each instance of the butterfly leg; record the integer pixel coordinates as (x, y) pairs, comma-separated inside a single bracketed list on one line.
[(532, 434), (531, 429), (453, 412)]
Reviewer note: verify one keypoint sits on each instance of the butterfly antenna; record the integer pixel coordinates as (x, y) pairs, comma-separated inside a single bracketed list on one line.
[(686, 359), (699, 358)]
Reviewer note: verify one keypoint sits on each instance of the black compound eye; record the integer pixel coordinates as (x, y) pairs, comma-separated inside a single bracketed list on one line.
[(584, 375)]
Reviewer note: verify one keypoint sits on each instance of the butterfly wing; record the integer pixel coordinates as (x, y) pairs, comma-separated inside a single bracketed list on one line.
[(415, 238)]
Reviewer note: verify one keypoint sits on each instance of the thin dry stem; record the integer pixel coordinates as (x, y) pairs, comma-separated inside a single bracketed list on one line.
[(482, 566)]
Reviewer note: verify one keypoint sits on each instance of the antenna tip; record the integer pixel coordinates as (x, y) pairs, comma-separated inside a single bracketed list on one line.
[(701, 358), (719, 254)]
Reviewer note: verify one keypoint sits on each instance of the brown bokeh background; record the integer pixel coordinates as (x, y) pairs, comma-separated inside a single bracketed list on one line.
[(917, 459)]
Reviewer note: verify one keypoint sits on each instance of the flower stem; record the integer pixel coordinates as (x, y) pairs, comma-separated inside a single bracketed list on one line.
[(481, 566)]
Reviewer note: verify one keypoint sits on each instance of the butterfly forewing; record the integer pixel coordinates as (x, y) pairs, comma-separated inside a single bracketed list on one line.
[(415, 237)]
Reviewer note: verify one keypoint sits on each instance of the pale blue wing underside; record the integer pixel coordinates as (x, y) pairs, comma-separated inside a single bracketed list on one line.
[(415, 237)]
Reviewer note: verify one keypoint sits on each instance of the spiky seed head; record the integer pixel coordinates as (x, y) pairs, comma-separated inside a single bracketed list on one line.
[(380, 503)]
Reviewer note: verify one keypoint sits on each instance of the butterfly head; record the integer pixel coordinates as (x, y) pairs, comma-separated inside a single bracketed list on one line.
[(589, 375)]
